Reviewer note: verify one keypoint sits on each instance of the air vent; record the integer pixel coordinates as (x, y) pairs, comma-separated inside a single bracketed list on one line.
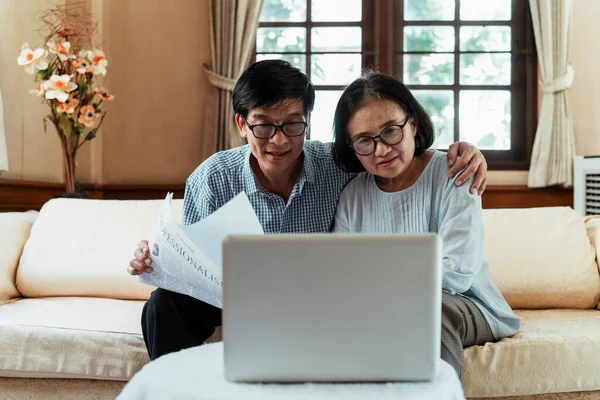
[(586, 185)]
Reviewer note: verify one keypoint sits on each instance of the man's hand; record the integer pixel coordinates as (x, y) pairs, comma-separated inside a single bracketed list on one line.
[(141, 263), (473, 160)]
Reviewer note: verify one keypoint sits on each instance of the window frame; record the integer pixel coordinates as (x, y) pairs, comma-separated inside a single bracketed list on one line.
[(523, 85), (369, 49), (382, 24)]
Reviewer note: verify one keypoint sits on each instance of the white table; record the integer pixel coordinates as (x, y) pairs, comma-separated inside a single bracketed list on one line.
[(197, 373)]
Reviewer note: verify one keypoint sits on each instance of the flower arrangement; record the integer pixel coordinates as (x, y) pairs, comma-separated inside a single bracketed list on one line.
[(67, 68)]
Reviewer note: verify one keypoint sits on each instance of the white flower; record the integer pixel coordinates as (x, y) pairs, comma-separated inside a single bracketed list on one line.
[(61, 49), (99, 59), (39, 91), (32, 59), (58, 87), (101, 68)]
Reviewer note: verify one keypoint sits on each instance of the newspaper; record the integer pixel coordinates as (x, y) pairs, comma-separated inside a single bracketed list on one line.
[(188, 259)]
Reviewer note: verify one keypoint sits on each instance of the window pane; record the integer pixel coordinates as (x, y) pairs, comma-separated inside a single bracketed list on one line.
[(485, 69), (429, 69), (488, 10), (297, 60), (440, 106), (336, 39), (276, 40), (321, 119), (335, 69), (485, 38), (336, 10), (429, 10), (283, 11), (429, 38), (485, 118)]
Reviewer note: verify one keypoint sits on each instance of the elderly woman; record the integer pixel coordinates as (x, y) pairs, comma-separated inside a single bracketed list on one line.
[(382, 131)]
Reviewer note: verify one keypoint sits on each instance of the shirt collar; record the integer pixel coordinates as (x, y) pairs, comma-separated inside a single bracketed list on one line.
[(249, 179), (253, 186)]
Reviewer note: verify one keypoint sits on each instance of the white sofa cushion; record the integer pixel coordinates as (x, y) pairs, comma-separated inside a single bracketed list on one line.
[(83, 248), (555, 351), (71, 337), (541, 257), (14, 231)]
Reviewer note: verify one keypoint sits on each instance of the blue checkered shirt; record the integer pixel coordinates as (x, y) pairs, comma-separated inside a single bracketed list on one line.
[(310, 208)]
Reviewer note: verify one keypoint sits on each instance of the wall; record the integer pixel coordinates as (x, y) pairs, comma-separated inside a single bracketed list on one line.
[(31, 153), (152, 133), (585, 93)]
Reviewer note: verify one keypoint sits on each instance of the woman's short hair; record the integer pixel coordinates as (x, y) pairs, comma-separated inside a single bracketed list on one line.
[(376, 86), (266, 83)]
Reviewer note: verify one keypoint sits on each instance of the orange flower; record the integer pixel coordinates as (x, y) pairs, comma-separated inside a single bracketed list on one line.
[(69, 105), (104, 95), (82, 65), (67, 31), (87, 115)]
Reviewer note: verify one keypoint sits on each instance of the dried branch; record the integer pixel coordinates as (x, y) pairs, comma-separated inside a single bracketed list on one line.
[(70, 21)]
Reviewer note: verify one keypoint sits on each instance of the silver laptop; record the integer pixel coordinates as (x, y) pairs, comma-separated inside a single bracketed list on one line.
[(331, 307)]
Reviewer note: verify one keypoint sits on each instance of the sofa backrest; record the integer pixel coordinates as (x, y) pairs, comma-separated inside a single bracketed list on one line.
[(542, 257), (83, 247), (539, 257), (14, 232)]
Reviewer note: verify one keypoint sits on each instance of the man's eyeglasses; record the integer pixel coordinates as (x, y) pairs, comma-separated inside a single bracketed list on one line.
[(267, 131), (390, 135)]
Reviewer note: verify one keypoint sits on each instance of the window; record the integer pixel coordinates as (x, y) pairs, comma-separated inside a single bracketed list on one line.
[(472, 65), (329, 40)]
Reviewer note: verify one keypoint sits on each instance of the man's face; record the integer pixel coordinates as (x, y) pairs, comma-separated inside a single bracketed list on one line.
[(280, 152)]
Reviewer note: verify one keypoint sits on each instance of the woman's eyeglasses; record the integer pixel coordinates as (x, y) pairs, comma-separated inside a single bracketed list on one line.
[(390, 135)]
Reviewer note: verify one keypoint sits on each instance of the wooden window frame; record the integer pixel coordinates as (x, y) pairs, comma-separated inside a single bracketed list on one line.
[(369, 48), (382, 25), (523, 86)]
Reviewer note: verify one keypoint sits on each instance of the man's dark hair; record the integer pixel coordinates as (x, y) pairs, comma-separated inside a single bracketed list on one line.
[(265, 83), (376, 86)]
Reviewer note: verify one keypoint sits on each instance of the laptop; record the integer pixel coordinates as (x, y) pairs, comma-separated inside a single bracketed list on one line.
[(331, 307)]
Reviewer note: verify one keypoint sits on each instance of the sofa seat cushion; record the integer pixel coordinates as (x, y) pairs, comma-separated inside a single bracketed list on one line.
[(555, 351), (71, 338)]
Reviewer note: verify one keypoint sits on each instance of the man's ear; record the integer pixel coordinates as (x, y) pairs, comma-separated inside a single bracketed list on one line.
[(239, 121)]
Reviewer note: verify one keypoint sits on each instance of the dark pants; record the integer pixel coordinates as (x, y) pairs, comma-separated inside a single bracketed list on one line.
[(173, 321), (463, 325)]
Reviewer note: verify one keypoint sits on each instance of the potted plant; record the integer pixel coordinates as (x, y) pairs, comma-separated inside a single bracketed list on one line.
[(67, 68)]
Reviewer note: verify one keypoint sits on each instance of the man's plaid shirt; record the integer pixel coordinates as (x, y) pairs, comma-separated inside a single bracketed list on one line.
[(310, 208)]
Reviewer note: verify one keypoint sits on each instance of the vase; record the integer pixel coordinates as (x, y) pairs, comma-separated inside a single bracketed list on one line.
[(70, 169)]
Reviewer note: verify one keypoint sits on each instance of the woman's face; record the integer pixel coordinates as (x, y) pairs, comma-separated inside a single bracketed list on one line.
[(377, 117)]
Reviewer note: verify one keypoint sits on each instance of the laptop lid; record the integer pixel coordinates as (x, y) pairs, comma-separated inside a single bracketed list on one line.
[(331, 307)]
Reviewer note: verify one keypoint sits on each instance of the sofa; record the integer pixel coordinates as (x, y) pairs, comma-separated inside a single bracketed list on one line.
[(70, 314)]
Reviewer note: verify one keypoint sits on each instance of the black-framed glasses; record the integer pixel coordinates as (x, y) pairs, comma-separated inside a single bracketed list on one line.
[(267, 131), (390, 135)]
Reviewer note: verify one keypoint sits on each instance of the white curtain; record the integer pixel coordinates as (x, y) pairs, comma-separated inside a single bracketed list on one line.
[(3, 151), (554, 146), (233, 25)]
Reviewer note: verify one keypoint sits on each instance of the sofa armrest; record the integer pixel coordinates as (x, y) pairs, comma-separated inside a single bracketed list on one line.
[(14, 232), (592, 225)]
